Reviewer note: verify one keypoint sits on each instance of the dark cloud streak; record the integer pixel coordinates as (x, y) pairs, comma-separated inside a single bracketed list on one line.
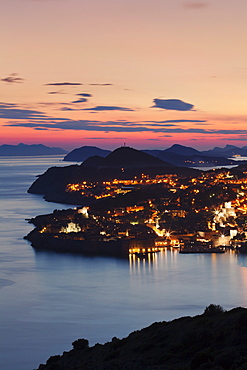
[(85, 95), (81, 100), (106, 84), (56, 92), (12, 79), (116, 126), (178, 121), (21, 114), (172, 104), (12, 113), (64, 84), (108, 107)]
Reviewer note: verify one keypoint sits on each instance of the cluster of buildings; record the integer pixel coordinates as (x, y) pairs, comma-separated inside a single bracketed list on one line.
[(195, 214), (99, 190)]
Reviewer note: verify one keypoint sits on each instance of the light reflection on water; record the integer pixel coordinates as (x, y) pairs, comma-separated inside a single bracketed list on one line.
[(48, 300)]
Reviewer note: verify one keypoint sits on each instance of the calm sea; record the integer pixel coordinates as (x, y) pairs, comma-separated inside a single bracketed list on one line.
[(49, 300)]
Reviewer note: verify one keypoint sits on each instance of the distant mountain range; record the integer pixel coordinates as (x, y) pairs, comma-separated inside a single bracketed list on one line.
[(126, 157), (29, 150), (227, 151), (177, 155), (184, 156), (83, 153)]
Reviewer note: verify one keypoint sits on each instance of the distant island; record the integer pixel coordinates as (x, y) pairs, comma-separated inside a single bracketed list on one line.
[(83, 153), (29, 150), (177, 155), (217, 339)]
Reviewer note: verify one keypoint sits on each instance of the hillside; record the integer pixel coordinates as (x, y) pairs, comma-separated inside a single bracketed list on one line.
[(227, 151), (178, 155), (183, 156), (197, 160), (123, 163), (126, 157), (213, 340), (81, 154), (29, 150), (182, 150)]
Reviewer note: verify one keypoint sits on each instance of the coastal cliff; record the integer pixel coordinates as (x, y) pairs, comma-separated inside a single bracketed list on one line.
[(213, 340)]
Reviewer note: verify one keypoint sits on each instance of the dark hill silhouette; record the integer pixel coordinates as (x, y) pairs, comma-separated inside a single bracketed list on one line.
[(213, 340), (181, 150), (184, 156), (227, 151), (153, 152), (81, 154), (127, 157), (197, 160), (178, 155), (29, 150), (175, 151), (52, 184), (94, 161)]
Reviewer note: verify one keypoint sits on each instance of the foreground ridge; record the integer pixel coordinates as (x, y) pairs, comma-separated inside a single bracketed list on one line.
[(217, 339)]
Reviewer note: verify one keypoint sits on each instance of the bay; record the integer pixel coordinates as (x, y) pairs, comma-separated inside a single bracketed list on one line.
[(48, 300)]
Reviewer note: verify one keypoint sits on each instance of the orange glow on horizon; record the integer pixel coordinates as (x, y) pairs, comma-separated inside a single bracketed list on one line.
[(108, 83)]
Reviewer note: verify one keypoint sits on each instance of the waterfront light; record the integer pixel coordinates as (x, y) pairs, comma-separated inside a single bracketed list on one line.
[(223, 241)]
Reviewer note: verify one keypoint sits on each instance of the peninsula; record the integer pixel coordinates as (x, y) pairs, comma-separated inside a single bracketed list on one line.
[(130, 203)]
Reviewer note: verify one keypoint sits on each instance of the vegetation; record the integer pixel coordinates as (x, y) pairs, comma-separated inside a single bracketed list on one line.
[(217, 340)]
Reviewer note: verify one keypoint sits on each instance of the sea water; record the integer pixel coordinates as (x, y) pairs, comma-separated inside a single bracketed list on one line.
[(48, 300)]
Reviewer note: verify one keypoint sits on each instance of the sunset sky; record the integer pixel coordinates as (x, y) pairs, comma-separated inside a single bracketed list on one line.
[(148, 73)]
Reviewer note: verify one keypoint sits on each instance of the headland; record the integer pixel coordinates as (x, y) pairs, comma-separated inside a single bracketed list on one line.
[(142, 207)]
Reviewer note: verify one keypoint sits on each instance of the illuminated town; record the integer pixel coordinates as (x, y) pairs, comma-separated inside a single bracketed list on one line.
[(146, 214)]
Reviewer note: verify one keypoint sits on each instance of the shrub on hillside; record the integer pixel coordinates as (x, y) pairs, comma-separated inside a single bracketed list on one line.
[(80, 343), (213, 309)]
